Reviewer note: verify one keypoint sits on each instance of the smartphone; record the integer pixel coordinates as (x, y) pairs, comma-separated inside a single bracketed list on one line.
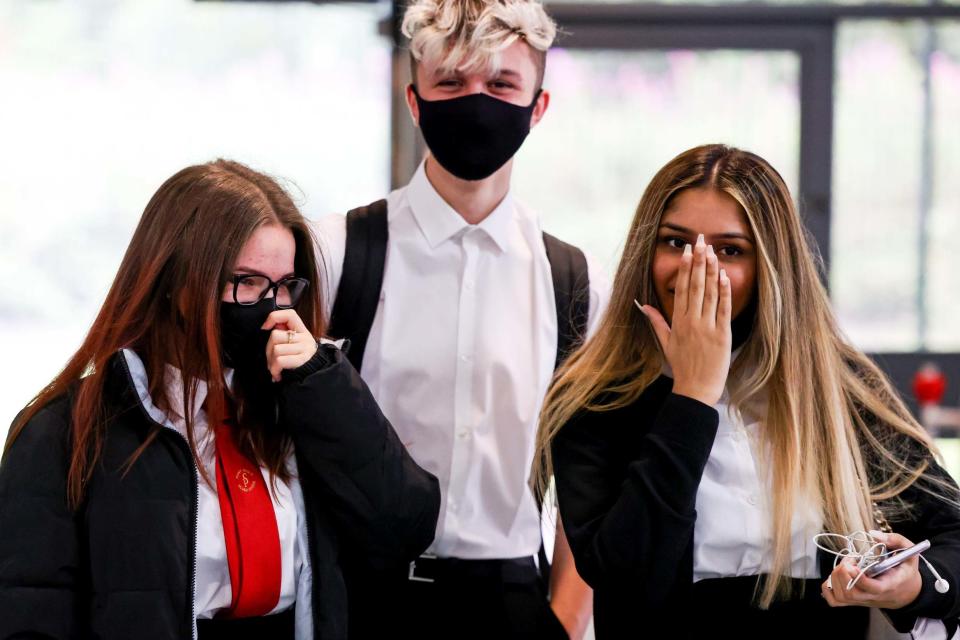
[(891, 561)]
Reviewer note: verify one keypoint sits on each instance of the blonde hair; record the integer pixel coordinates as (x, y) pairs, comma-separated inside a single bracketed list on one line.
[(469, 35), (836, 431)]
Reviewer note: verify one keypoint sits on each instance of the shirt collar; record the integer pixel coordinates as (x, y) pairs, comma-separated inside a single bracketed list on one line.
[(173, 384), (439, 222)]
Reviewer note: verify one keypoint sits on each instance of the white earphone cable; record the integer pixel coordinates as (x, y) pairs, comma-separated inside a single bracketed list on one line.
[(867, 551)]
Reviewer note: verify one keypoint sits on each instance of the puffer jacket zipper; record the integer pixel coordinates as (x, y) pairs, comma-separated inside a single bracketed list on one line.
[(194, 507), (314, 592)]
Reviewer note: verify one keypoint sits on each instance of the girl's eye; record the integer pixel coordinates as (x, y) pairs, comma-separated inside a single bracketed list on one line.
[(674, 242), (448, 83), (729, 252), (499, 84)]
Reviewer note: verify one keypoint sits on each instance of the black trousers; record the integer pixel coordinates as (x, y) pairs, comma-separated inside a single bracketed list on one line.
[(454, 599), (275, 627), (724, 606)]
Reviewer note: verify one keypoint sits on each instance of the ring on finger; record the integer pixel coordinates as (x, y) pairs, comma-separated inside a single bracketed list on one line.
[(291, 334)]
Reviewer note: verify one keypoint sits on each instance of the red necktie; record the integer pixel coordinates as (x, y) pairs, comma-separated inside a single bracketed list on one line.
[(249, 530)]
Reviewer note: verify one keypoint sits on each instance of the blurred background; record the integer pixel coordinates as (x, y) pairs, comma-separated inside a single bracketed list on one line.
[(858, 106)]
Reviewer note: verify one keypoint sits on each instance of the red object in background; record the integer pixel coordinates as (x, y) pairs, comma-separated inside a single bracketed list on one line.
[(929, 384)]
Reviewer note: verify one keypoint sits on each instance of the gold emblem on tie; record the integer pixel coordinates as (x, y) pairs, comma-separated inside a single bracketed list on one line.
[(245, 480)]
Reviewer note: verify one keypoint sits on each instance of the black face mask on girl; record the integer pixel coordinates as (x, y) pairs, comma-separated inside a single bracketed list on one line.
[(473, 136), (243, 342)]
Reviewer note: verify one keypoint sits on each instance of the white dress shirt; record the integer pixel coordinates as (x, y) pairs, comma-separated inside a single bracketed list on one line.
[(732, 535), (460, 355), (212, 586)]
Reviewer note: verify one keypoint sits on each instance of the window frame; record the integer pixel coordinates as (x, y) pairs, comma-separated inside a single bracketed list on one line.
[(808, 30)]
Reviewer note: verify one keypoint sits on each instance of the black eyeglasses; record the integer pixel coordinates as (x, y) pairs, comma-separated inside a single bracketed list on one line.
[(249, 289)]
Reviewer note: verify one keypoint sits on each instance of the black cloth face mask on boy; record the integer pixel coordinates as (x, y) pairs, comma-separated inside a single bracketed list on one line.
[(473, 136)]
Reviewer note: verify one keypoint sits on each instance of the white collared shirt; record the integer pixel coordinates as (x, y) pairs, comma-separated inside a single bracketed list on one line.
[(732, 535), (459, 357), (212, 587)]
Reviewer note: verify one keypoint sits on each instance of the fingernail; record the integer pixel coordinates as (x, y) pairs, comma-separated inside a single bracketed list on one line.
[(639, 306), (875, 533), (687, 249), (723, 274), (710, 251), (700, 240)]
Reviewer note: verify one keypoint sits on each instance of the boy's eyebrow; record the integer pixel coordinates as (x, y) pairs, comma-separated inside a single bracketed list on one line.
[(732, 235), (509, 73), (441, 73)]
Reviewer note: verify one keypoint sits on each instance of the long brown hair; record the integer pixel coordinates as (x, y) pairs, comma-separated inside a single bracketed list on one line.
[(836, 432), (164, 304)]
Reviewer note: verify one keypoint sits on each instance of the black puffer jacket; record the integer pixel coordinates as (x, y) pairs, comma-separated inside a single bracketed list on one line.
[(123, 565)]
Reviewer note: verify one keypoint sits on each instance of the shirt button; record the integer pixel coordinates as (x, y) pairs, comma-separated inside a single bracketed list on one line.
[(452, 504), (463, 433), (465, 358), (752, 500), (468, 285)]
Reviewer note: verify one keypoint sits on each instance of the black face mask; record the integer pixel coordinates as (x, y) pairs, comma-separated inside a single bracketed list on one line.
[(243, 342), (473, 136), (742, 325)]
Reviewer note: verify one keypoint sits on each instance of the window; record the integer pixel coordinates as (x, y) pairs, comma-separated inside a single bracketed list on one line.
[(103, 101)]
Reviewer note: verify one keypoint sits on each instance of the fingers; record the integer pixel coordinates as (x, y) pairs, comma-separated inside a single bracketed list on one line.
[(893, 540), (287, 316), (827, 592), (280, 363), (288, 349), (891, 590), (711, 291), (288, 337), (287, 343), (869, 586), (725, 304), (865, 592), (682, 287), (285, 349), (697, 279), (660, 327)]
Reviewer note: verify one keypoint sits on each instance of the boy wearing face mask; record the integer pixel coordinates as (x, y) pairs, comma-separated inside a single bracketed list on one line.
[(458, 309)]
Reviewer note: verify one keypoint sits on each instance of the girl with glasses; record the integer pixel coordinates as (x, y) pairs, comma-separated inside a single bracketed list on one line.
[(200, 463)]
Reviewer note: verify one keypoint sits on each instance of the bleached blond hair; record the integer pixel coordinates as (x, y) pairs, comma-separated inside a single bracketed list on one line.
[(469, 35)]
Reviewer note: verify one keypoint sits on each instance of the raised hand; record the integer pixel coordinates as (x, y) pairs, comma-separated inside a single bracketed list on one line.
[(696, 342), (290, 344)]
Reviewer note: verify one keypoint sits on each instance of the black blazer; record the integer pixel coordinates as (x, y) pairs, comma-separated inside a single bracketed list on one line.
[(627, 484), (123, 565)]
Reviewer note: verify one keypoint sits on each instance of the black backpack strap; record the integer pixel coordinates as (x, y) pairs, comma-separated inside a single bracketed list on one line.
[(359, 292), (571, 288)]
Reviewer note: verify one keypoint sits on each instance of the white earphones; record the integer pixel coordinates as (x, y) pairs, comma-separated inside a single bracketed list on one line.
[(867, 552), (941, 585)]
